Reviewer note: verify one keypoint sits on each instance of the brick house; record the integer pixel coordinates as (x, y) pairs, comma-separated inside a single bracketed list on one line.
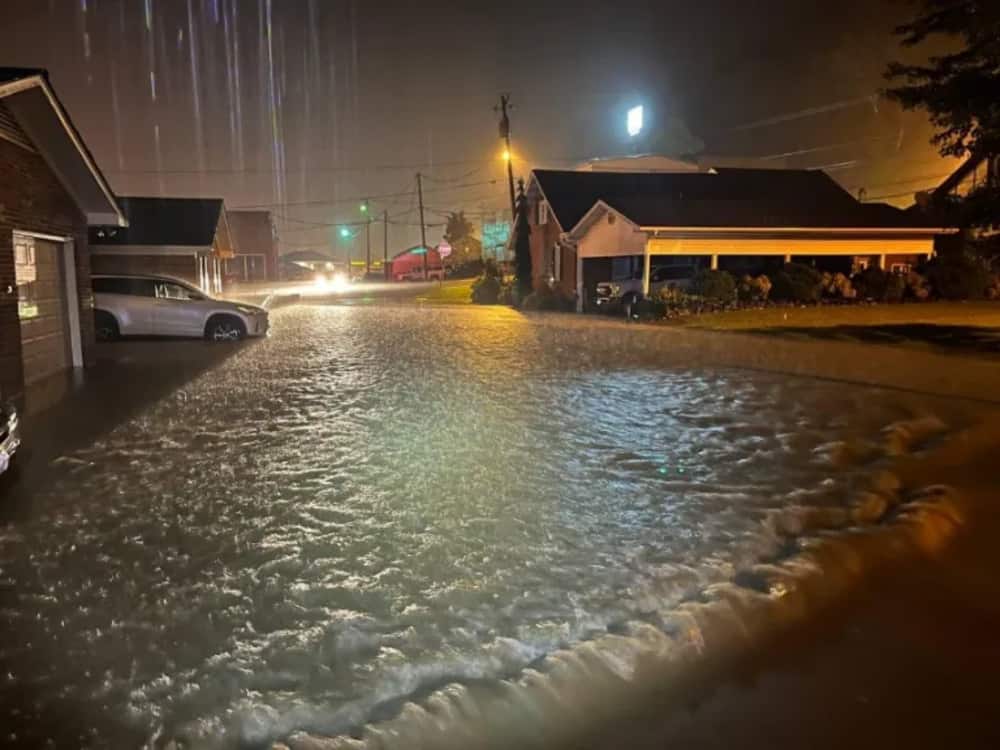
[(255, 244), (50, 191), (589, 227), (187, 238)]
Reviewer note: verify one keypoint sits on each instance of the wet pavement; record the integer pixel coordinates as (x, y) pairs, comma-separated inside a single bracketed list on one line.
[(226, 545)]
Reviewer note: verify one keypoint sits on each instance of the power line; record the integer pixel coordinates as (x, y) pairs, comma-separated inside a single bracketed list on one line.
[(350, 168), (358, 198)]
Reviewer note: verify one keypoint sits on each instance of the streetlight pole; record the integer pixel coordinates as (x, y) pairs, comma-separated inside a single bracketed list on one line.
[(423, 229), (385, 244)]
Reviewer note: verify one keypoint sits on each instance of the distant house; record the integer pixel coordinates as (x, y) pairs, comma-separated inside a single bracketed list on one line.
[(255, 243), (589, 227), (51, 189), (188, 238)]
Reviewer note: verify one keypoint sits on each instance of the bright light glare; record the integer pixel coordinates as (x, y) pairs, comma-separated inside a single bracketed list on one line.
[(506, 155), (635, 121), (339, 283)]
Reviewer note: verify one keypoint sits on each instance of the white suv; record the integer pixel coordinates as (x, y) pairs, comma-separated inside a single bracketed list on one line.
[(164, 306)]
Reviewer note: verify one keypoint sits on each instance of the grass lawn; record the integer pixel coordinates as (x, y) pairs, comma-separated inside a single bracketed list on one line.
[(455, 292), (967, 327)]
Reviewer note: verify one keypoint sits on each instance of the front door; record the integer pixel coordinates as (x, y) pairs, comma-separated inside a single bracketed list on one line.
[(41, 307)]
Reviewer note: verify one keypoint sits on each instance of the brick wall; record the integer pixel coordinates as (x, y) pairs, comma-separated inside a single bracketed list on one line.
[(179, 266), (543, 238), (33, 200)]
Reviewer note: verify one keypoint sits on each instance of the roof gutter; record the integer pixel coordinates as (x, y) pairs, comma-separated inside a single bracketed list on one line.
[(24, 84), (803, 230)]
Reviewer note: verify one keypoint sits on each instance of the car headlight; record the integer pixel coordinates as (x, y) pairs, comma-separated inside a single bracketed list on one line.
[(247, 310)]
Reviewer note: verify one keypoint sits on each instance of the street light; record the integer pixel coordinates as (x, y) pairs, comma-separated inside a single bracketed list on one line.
[(364, 207), (634, 121), (506, 155), (345, 233)]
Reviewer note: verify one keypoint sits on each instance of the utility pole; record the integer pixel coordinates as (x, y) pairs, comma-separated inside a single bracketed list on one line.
[(385, 244), (508, 154), (368, 246), (423, 229)]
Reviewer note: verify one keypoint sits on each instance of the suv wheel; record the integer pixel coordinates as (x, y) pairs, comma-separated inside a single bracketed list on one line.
[(225, 328)]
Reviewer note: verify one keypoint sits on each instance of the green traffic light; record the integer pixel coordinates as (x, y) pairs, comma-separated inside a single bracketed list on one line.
[(345, 233), (364, 208)]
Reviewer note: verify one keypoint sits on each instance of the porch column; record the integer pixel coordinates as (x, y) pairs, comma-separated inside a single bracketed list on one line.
[(645, 270), (788, 257), (579, 281), (715, 262), (881, 261)]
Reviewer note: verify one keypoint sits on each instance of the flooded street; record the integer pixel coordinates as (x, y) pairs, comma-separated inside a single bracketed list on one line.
[(376, 502)]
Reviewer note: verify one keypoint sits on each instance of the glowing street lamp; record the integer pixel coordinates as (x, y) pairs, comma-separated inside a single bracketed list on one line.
[(364, 207), (506, 155), (634, 121), (345, 233)]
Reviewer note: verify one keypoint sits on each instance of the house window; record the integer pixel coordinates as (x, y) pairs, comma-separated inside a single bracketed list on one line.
[(556, 262), (26, 275), (543, 213), (861, 263), (900, 268)]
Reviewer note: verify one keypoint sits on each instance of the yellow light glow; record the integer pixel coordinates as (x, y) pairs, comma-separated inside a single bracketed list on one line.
[(506, 155)]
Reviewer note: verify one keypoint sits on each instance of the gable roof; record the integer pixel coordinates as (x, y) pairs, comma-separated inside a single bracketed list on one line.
[(252, 231), (187, 222), (721, 198), (29, 96)]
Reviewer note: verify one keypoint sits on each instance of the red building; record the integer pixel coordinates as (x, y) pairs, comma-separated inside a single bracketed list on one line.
[(409, 265)]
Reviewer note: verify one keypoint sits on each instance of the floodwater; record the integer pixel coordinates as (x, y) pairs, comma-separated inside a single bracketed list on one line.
[(377, 502)]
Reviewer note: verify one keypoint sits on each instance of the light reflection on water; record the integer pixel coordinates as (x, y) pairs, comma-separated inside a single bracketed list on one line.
[(376, 501)]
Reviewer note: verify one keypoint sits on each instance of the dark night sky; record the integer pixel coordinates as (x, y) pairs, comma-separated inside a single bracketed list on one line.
[(307, 104)]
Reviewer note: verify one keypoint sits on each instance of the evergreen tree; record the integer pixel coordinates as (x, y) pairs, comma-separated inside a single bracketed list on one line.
[(522, 244)]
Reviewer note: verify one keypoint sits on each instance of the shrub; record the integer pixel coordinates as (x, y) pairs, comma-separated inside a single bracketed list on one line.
[(838, 286), (470, 269), (506, 296), (958, 277), (993, 292), (672, 295), (895, 288), (753, 289), (486, 290), (714, 285), (917, 286), (548, 299), (796, 282), (871, 283), (650, 308)]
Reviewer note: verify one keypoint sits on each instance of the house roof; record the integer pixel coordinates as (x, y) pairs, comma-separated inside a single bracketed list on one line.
[(186, 222), (28, 94), (722, 198), (252, 231)]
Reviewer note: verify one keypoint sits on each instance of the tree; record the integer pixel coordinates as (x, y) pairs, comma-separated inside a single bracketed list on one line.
[(960, 90), (522, 244), (460, 234)]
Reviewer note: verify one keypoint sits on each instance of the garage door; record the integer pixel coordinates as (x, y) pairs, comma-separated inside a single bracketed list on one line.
[(41, 306)]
